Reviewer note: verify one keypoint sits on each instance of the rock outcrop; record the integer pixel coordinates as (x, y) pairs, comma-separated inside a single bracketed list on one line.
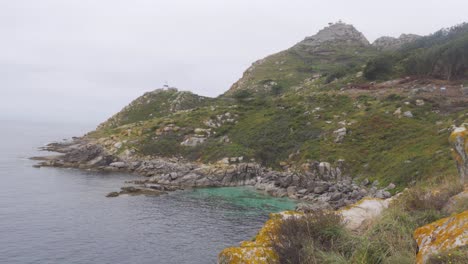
[(335, 34), (441, 236), (391, 43), (459, 141)]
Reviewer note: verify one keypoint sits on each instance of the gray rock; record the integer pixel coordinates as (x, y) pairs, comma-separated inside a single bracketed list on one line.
[(118, 164), (312, 207), (339, 134), (408, 114), (112, 194), (320, 189), (391, 186), (365, 182), (291, 190), (336, 196)]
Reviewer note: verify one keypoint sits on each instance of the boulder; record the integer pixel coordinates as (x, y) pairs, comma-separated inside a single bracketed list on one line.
[(459, 141), (408, 114), (357, 215), (320, 189), (118, 164), (339, 134), (441, 236)]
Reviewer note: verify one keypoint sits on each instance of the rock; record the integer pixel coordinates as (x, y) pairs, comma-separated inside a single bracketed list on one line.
[(291, 190), (375, 183), (312, 207), (118, 164), (320, 189), (456, 202), (118, 145), (112, 194), (357, 215), (381, 194), (339, 134), (391, 186), (131, 190), (336, 33), (441, 236), (391, 43), (459, 141), (336, 196), (154, 186), (419, 102), (408, 114), (365, 182), (192, 141)]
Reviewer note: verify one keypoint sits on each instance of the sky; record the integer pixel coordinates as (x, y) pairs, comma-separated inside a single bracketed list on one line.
[(83, 60)]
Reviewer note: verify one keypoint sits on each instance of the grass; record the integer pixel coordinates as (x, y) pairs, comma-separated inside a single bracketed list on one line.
[(322, 238)]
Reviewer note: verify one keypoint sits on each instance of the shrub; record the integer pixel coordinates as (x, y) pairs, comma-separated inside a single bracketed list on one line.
[(420, 199), (314, 238), (241, 95)]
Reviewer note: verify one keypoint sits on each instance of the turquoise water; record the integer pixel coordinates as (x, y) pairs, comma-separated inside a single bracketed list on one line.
[(253, 201)]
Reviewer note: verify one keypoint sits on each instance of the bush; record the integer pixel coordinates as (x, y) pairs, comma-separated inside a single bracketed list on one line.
[(241, 95), (381, 67), (314, 238), (419, 199)]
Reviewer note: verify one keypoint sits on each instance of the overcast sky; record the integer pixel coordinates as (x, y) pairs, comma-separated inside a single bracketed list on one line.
[(83, 60)]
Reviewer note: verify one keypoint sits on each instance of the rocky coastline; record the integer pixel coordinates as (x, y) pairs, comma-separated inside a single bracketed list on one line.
[(317, 185)]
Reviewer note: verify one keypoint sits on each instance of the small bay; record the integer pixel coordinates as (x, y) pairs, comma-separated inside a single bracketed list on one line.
[(51, 215)]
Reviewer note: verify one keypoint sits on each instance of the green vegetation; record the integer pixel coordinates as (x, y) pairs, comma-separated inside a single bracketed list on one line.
[(443, 54), (457, 256), (322, 238)]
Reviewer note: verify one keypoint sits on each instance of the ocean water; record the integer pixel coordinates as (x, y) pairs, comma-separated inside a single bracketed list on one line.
[(51, 215)]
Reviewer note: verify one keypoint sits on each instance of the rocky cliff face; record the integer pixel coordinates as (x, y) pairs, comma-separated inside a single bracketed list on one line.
[(390, 43)]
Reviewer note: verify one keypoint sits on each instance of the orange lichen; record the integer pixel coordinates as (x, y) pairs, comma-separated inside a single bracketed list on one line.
[(442, 235), (258, 251)]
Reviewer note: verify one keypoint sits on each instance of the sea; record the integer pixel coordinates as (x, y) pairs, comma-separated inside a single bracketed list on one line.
[(56, 215)]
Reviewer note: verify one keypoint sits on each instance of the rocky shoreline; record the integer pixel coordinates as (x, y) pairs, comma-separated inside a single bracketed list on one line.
[(318, 185)]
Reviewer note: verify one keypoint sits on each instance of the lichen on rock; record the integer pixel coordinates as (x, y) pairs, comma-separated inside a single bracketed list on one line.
[(441, 236), (258, 251), (459, 140)]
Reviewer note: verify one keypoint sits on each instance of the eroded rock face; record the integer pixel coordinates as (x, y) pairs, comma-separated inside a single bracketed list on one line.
[(459, 141), (442, 235)]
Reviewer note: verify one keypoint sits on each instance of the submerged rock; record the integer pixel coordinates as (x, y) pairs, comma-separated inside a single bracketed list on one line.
[(132, 190)]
